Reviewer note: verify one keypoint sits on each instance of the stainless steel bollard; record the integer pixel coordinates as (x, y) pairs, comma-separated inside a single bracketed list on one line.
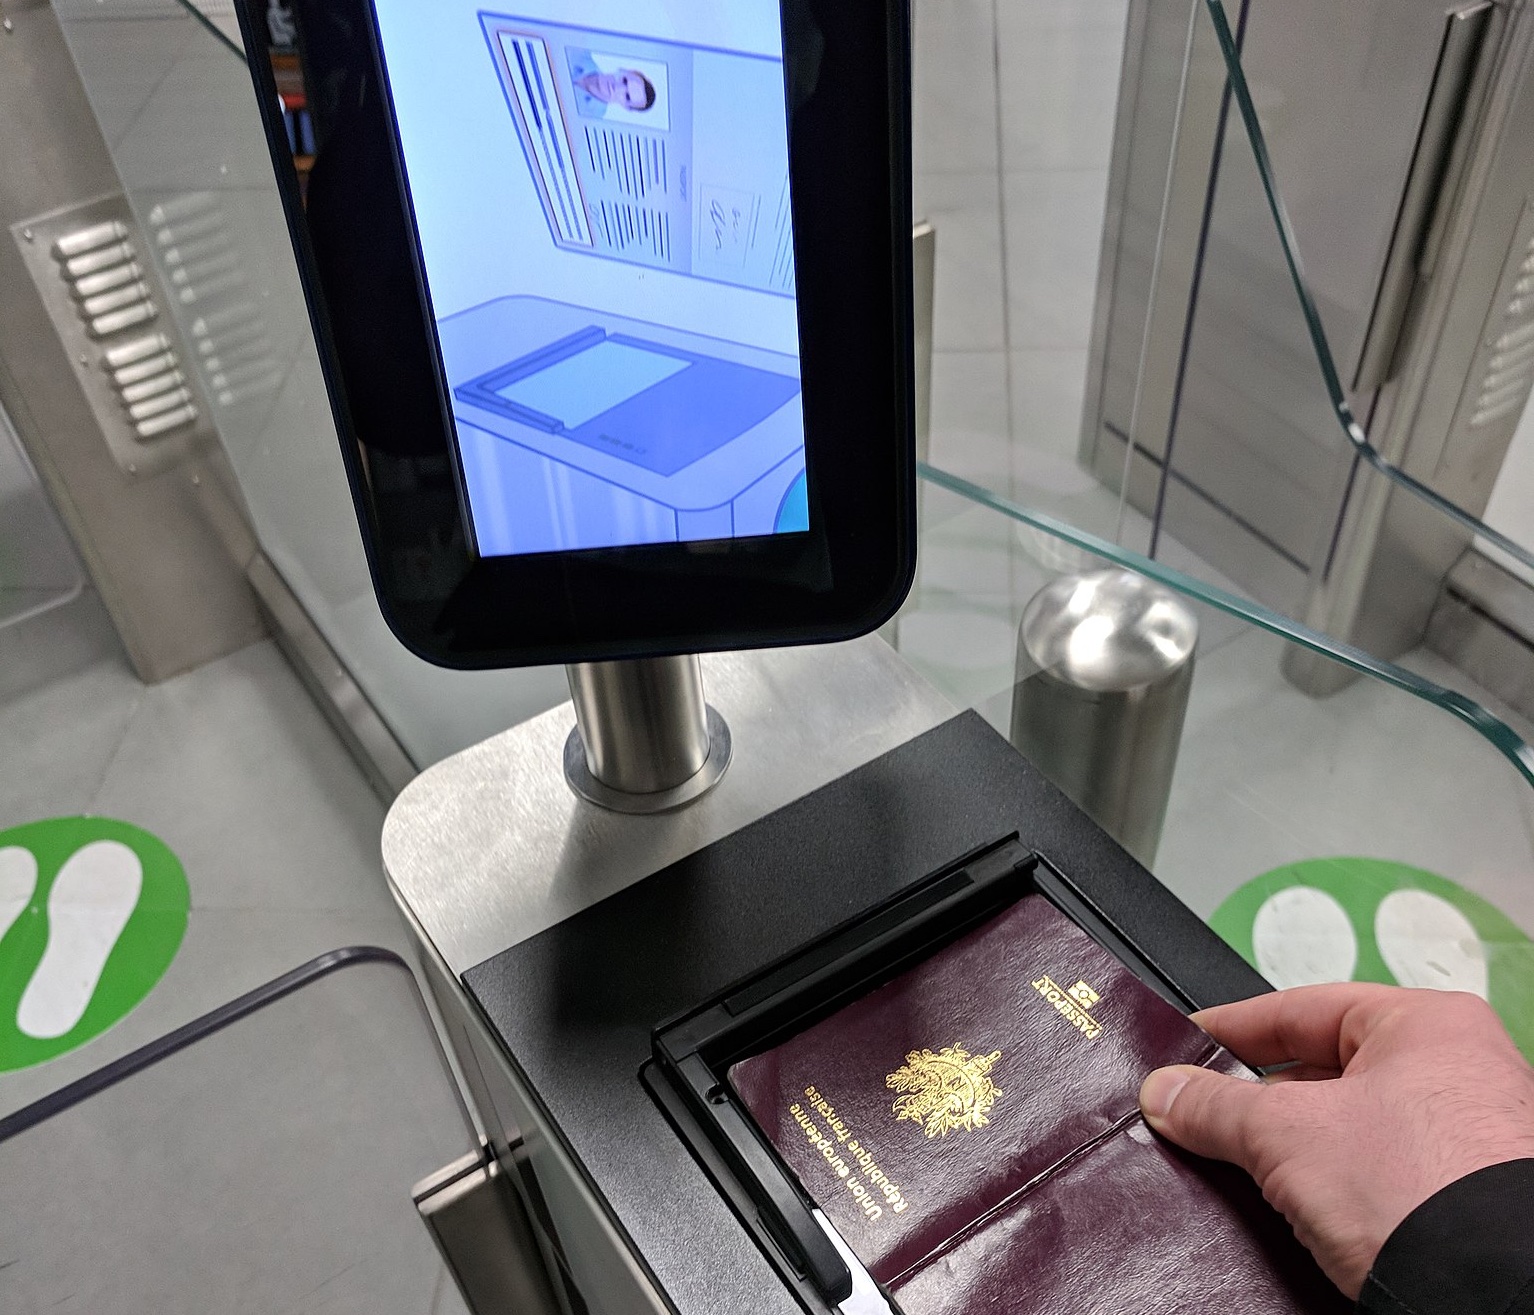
[(1104, 666)]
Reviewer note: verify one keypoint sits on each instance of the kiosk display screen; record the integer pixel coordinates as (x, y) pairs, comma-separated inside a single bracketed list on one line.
[(600, 193)]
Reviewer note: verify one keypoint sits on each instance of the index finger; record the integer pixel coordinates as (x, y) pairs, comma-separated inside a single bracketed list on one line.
[(1320, 1026)]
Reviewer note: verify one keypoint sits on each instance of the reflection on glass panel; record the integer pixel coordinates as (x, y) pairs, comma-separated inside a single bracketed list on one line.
[(1063, 360), (219, 17), (1458, 48), (1051, 547), (1313, 429), (1243, 412)]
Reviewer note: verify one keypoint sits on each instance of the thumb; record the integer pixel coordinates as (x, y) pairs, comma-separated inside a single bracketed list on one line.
[(1210, 1114)]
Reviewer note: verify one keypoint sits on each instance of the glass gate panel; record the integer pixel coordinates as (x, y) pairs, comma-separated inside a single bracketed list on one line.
[(260, 1159), (170, 90), (1381, 833)]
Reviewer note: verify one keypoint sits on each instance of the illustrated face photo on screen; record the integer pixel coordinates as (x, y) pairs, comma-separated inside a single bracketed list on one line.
[(602, 199)]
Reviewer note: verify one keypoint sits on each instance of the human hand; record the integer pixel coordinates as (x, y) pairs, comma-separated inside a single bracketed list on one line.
[(1394, 1094)]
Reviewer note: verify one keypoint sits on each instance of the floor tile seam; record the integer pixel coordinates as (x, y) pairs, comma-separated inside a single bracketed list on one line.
[(134, 122), (1018, 176), (1039, 346), (1259, 805), (1256, 638), (281, 908), (136, 706)]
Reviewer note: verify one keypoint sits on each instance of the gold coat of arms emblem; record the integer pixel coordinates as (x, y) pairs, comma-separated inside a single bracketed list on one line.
[(947, 1091)]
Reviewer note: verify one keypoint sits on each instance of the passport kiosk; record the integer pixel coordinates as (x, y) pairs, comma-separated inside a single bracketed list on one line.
[(613, 301)]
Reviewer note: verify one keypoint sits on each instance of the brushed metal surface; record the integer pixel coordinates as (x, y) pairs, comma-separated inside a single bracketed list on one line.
[(1104, 670), (491, 846), (1428, 185), (1484, 625), (1488, 653), (716, 760), (1166, 135), (642, 725), (1229, 386), (1107, 631), (611, 1277), (484, 1234)]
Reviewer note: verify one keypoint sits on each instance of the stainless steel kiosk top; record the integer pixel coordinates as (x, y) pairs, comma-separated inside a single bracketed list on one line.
[(491, 846)]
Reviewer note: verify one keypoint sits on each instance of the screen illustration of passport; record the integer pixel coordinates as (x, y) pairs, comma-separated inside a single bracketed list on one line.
[(601, 194), (972, 1131)]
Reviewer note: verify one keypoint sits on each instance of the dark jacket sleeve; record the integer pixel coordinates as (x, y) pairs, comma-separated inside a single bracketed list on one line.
[(1469, 1250)]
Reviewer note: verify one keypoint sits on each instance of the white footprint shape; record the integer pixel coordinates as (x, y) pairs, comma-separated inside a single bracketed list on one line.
[(92, 898), (1302, 936), (1426, 941), (18, 882)]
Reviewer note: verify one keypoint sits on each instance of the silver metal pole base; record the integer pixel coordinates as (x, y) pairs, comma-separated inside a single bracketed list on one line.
[(644, 739), (578, 774)]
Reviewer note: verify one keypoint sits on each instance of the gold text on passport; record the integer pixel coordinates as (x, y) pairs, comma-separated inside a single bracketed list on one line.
[(846, 1156), (1073, 1005)]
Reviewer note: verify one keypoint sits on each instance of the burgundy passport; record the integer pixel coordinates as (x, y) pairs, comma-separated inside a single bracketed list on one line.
[(972, 1129)]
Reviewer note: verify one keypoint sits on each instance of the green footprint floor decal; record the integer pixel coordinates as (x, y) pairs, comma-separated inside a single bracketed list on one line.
[(92, 912), (1372, 920)]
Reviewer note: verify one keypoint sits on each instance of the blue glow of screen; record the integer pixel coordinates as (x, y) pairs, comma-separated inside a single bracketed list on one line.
[(581, 387), (601, 191)]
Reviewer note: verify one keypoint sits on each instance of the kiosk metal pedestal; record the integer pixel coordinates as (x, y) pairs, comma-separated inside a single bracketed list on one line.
[(645, 741)]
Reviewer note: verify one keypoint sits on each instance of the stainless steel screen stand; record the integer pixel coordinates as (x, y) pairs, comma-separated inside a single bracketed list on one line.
[(644, 739)]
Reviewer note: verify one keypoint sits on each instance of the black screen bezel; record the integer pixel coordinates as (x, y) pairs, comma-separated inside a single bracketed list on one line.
[(847, 65)]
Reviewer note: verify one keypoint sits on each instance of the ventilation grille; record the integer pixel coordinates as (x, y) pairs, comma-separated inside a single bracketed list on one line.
[(110, 296), (1509, 369), (102, 270)]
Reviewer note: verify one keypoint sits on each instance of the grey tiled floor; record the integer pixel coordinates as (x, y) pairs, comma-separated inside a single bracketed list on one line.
[(1268, 776), (236, 770)]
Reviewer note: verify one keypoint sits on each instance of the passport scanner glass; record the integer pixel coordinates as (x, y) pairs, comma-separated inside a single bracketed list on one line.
[(613, 304)]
